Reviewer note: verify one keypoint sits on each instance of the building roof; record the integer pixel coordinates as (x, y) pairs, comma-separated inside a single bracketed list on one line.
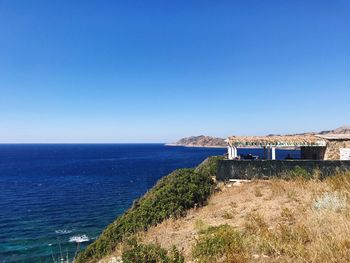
[(276, 141), (334, 136)]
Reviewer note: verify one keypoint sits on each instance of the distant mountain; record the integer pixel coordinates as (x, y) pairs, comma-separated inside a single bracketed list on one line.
[(340, 130), (201, 141)]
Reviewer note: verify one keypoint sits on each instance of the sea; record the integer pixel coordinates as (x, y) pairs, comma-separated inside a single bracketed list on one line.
[(55, 199)]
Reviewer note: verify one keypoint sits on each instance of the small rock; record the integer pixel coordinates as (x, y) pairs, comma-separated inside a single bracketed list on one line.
[(115, 260)]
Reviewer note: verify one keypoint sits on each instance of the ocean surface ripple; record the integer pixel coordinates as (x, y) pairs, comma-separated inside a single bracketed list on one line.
[(53, 197)]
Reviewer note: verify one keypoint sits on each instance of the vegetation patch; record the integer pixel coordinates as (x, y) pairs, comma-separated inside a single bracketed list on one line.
[(340, 182), (135, 252), (228, 215), (209, 166), (298, 173), (221, 243)]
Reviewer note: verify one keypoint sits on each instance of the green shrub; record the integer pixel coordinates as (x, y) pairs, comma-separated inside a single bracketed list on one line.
[(298, 173), (172, 196), (209, 166), (135, 252), (221, 244)]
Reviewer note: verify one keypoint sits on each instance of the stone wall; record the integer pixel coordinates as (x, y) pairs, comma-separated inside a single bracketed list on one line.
[(264, 169), (333, 149)]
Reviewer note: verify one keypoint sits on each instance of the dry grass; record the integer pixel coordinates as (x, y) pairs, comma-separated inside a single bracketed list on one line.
[(277, 220)]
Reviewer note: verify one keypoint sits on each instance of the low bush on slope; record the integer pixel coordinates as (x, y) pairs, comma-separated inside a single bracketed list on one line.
[(220, 244), (172, 196), (209, 166), (135, 252)]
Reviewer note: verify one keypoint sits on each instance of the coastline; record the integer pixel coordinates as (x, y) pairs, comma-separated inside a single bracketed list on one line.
[(219, 147), (194, 146)]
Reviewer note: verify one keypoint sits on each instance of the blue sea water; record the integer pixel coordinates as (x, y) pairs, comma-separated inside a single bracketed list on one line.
[(53, 195)]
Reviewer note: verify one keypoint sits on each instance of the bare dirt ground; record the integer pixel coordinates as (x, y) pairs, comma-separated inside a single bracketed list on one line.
[(230, 206)]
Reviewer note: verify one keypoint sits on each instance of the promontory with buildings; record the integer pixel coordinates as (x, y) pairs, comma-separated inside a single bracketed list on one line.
[(241, 207), (210, 141)]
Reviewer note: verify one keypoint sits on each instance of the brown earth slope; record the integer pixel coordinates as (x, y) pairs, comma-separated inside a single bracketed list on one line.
[(279, 221)]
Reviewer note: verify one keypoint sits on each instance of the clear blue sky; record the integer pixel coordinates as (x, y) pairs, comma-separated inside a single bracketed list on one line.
[(154, 71)]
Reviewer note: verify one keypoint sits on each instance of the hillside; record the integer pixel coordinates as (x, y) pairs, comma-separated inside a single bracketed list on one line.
[(259, 221), (340, 130), (171, 197), (201, 141)]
